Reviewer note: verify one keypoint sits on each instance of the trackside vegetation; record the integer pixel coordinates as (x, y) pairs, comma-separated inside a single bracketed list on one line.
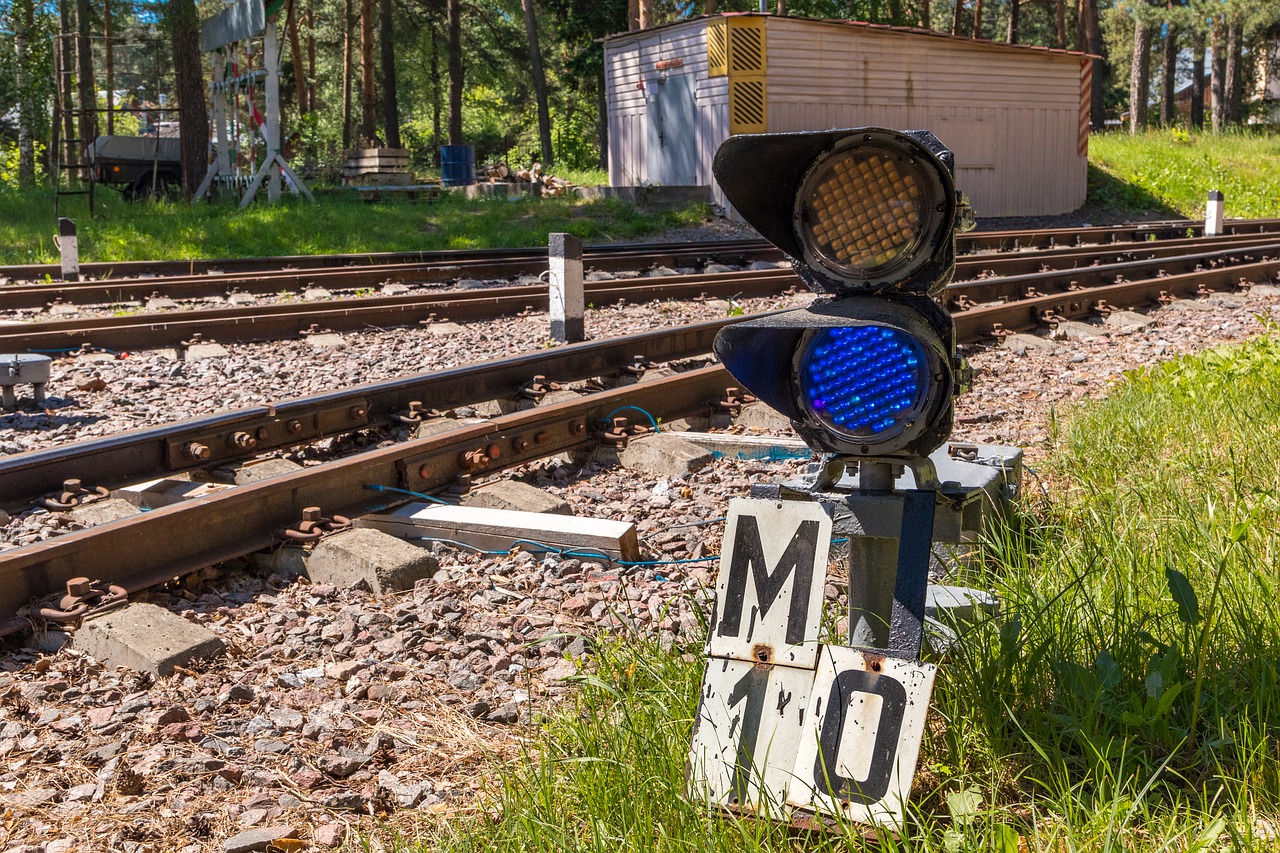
[(1170, 172), (338, 223), (1126, 699)]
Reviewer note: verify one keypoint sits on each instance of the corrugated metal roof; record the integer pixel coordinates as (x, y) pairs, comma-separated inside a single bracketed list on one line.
[(863, 25)]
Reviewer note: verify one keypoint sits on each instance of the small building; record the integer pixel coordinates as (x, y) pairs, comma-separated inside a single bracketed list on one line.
[(1017, 117)]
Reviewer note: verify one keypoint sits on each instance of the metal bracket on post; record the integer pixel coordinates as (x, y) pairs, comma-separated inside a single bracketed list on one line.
[(893, 512), (567, 297)]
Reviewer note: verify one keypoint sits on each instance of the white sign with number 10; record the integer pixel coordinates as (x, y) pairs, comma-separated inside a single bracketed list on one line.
[(784, 721)]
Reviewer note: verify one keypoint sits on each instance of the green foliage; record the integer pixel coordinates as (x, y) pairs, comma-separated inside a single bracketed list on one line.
[(335, 223), (1127, 697), (1173, 172)]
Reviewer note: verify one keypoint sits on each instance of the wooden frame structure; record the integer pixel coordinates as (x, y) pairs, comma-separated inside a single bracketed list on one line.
[(220, 37)]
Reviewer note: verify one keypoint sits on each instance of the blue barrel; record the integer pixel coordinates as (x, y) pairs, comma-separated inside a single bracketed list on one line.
[(458, 165)]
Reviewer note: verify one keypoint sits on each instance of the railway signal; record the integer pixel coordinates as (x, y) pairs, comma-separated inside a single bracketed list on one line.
[(791, 723)]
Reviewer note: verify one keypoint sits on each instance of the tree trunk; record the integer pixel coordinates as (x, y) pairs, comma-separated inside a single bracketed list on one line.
[(1234, 84), (455, 71), (390, 107), (295, 54), (1140, 78), (539, 80), (63, 118), (782, 8), (435, 96), (1093, 41), (368, 97), (311, 54), (1061, 43), (86, 91), (895, 11), (710, 8), (955, 17), (1197, 79), (1011, 36), (346, 76), (23, 23), (646, 14), (977, 19), (633, 15), (1168, 70), (926, 22), (109, 54), (189, 84), (1218, 73)]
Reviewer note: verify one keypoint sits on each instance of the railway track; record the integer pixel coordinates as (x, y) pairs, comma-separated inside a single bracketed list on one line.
[(237, 521), (1056, 272), (116, 292)]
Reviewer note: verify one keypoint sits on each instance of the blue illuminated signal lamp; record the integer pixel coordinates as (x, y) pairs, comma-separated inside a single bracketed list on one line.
[(863, 381), (858, 376)]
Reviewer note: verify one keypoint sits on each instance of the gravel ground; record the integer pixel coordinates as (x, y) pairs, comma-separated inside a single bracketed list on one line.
[(339, 711)]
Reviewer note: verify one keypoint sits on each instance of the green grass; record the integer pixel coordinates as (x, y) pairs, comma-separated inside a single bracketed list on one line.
[(1172, 171), (122, 230), (1127, 699)]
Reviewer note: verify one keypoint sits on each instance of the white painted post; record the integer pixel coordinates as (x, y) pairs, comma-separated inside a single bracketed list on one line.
[(69, 249), (1213, 214), (567, 306), (271, 57)]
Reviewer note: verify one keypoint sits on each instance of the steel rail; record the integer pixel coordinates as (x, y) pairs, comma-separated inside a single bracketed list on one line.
[(974, 241), (150, 548), (1031, 312), (226, 437), (112, 292), (592, 254), (285, 320)]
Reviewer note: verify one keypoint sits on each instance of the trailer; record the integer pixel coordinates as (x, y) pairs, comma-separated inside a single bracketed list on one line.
[(139, 166)]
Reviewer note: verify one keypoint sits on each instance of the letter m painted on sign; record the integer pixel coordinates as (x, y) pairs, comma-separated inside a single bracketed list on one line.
[(772, 571)]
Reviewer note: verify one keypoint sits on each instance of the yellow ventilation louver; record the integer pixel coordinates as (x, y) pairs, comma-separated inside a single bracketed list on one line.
[(736, 48)]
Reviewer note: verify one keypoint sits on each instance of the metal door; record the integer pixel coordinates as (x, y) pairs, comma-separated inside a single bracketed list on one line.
[(671, 132)]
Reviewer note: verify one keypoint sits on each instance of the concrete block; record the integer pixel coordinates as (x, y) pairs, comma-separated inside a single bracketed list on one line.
[(443, 329), (196, 352), (514, 495), (1023, 344), (326, 341), (241, 298), (287, 562), (102, 512), (313, 293), (95, 358), (1074, 330), (564, 395), (1267, 290), (160, 303), (157, 493), (1226, 300), (382, 561), (262, 469), (1190, 305), (1128, 319), (760, 416), (391, 288), (721, 444), (963, 603), (146, 638), (663, 455), (497, 529)]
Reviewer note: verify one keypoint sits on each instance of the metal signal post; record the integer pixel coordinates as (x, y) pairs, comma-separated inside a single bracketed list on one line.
[(789, 725)]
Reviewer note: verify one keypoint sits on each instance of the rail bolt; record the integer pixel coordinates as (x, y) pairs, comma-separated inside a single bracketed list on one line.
[(263, 433), (312, 513), (541, 438), (520, 444), (196, 452), (79, 587), (294, 427), (358, 413), (577, 428), (243, 441)]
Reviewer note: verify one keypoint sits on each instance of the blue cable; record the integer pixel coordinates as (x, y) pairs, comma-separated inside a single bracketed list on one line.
[(652, 422), (378, 487)]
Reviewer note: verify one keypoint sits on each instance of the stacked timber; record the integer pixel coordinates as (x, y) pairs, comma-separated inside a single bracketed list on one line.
[(377, 167)]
